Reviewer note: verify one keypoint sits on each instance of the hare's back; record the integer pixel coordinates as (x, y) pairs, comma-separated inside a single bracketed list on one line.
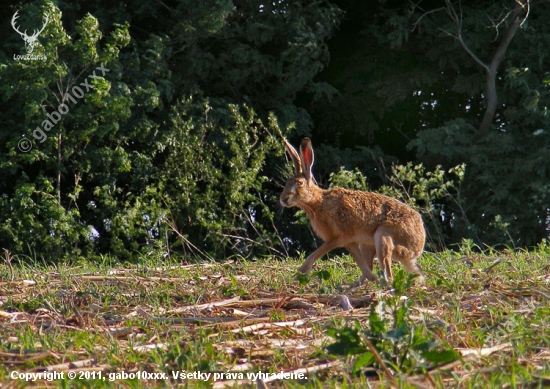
[(358, 209)]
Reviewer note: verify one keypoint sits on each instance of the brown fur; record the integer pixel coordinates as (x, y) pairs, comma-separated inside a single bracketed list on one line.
[(366, 224)]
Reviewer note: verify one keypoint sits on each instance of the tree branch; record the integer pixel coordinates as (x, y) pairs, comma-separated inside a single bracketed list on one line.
[(527, 8), (471, 53), (490, 68), (491, 88), (426, 13), (458, 22)]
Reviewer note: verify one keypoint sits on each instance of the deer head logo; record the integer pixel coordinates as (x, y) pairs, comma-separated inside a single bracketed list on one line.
[(30, 41)]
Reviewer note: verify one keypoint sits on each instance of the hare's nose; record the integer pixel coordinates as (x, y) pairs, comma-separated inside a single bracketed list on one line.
[(284, 201)]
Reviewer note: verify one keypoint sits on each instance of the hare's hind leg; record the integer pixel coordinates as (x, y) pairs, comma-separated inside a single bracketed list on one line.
[(413, 267), (408, 257), (362, 261), (384, 250)]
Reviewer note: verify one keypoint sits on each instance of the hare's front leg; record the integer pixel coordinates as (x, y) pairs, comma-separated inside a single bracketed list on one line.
[(314, 256), (368, 251)]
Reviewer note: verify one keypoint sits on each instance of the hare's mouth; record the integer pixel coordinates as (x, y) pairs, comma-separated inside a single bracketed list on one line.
[(285, 202)]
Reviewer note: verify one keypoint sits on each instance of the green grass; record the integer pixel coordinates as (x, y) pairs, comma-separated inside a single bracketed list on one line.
[(492, 308)]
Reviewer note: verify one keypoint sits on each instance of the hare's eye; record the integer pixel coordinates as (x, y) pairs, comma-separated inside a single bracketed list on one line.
[(300, 183)]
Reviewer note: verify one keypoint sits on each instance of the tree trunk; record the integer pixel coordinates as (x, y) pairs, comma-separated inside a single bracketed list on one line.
[(491, 96)]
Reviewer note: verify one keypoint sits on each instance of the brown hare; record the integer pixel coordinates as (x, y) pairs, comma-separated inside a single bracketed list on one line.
[(366, 224)]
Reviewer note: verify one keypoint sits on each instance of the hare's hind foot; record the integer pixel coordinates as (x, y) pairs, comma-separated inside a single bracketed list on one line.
[(412, 267)]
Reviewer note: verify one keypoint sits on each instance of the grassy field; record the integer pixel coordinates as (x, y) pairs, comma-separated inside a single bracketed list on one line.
[(481, 320)]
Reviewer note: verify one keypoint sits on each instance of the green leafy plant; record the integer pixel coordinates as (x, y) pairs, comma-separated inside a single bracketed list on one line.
[(392, 341)]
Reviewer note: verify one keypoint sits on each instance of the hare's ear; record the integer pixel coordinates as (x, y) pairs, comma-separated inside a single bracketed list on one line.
[(294, 156), (307, 158)]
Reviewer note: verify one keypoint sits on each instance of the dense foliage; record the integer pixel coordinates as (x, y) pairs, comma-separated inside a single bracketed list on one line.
[(158, 122), (450, 83), (164, 144)]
